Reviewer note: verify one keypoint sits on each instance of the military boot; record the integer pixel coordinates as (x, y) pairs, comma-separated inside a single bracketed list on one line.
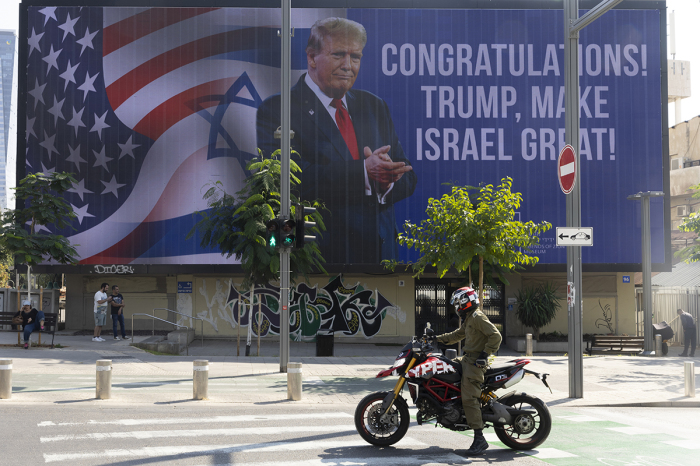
[(479, 445)]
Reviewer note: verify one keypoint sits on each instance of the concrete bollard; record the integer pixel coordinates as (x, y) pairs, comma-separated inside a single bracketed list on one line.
[(294, 381), (5, 379), (103, 387), (658, 346), (200, 379), (690, 379), (528, 344)]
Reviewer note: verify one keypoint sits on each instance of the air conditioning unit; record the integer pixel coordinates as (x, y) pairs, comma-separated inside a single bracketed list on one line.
[(682, 211), (676, 164)]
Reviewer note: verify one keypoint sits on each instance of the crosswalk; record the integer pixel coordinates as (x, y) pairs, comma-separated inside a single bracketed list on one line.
[(306, 438)]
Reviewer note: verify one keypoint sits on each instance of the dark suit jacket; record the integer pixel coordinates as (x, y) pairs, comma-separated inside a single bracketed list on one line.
[(359, 228)]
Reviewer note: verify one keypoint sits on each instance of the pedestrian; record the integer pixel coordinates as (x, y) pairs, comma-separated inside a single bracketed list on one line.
[(482, 338), (100, 310), (32, 319), (117, 306), (689, 331)]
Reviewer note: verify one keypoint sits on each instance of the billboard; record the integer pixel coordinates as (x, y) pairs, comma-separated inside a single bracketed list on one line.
[(149, 106)]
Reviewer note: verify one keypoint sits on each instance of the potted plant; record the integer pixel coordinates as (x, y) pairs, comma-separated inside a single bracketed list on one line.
[(537, 306)]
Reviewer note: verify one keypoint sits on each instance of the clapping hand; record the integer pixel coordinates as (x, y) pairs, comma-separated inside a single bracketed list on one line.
[(381, 169)]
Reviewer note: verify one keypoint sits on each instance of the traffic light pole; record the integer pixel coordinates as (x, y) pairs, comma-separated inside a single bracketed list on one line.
[(285, 201), (572, 26)]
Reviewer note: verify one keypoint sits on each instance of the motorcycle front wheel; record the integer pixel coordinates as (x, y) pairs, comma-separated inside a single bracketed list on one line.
[(370, 426), (527, 430)]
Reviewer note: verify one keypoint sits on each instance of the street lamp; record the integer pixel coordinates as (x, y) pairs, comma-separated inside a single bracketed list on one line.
[(646, 265)]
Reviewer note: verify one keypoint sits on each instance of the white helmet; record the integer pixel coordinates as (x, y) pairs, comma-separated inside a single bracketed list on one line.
[(464, 298)]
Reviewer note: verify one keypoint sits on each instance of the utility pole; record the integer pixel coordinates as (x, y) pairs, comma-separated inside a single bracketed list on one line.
[(572, 26), (285, 208), (646, 267)]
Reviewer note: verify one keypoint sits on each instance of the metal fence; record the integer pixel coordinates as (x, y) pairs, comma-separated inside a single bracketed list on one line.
[(666, 301)]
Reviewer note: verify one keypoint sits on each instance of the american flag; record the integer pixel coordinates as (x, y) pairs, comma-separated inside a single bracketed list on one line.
[(147, 106)]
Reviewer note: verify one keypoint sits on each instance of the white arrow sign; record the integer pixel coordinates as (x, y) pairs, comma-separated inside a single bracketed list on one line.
[(569, 236)]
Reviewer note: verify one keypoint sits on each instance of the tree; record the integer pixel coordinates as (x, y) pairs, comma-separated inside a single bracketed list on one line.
[(236, 225), (537, 306), (41, 195), (6, 264), (691, 224), (461, 228)]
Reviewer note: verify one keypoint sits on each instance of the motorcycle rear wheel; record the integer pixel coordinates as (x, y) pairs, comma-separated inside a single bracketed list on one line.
[(372, 429), (528, 430)]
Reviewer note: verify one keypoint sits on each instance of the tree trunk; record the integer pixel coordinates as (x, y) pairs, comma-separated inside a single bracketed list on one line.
[(250, 320), (29, 284), (238, 341), (535, 334), (259, 322), (481, 280)]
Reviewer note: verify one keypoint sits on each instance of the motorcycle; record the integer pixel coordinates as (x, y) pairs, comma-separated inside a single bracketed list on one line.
[(521, 421)]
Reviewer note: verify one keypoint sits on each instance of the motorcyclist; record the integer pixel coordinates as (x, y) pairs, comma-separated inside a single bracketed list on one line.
[(482, 339)]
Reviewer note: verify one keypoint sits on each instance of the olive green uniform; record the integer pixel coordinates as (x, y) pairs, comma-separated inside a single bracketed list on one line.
[(481, 335)]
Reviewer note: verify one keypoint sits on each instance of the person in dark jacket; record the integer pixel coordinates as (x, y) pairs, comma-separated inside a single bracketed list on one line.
[(482, 339), (348, 149), (689, 332), (32, 319)]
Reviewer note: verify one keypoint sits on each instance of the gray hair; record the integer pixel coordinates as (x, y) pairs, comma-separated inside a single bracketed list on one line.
[(334, 27)]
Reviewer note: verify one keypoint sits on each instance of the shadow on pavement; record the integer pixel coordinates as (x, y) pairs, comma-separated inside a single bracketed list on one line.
[(64, 402)]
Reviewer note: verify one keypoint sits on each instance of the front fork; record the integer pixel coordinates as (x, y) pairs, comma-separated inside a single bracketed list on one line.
[(390, 398)]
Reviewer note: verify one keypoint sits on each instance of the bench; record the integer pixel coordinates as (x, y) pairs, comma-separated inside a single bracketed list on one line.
[(606, 344), (50, 325)]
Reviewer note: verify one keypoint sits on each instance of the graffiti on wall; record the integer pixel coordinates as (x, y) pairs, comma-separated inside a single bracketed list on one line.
[(606, 320), (346, 310), (113, 269)]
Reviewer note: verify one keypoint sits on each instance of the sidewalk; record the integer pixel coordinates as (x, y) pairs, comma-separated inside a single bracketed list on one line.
[(141, 377)]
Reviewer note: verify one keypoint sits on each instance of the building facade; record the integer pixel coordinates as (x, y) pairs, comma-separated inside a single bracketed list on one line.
[(148, 108)]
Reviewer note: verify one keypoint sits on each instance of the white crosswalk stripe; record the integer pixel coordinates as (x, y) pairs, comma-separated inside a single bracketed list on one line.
[(449, 458), (150, 452), (209, 420), (153, 434), (310, 438)]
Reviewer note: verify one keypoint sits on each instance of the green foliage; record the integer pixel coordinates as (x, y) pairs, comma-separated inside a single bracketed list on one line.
[(691, 224), (471, 224), (537, 306), (236, 225), (6, 264), (41, 195)]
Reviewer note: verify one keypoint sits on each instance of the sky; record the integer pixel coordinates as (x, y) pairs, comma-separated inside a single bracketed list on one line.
[(687, 15)]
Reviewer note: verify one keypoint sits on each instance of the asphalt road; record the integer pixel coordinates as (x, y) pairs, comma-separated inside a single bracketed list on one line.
[(89, 432)]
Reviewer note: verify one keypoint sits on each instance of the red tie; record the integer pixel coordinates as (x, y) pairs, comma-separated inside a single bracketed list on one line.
[(342, 118)]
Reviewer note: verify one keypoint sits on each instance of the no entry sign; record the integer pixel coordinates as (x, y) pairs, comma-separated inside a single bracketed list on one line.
[(566, 169)]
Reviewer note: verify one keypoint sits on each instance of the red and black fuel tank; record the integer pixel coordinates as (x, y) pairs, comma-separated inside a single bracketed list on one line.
[(437, 366)]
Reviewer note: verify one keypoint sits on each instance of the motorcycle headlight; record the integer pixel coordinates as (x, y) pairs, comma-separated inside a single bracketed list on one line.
[(399, 363)]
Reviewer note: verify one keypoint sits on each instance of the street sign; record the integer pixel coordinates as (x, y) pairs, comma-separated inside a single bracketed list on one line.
[(572, 236), (566, 169)]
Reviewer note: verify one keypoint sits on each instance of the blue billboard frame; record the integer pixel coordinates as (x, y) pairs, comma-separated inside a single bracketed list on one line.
[(492, 5)]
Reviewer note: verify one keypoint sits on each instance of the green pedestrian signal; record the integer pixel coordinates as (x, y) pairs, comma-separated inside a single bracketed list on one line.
[(288, 236), (273, 233)]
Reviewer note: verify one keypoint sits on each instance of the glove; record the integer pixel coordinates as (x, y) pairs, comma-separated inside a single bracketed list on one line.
[(482, 360)]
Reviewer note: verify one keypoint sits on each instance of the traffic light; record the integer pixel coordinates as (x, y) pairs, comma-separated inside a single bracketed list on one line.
[(302, 225), (281, 233), (288, 233), (273, 233)]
